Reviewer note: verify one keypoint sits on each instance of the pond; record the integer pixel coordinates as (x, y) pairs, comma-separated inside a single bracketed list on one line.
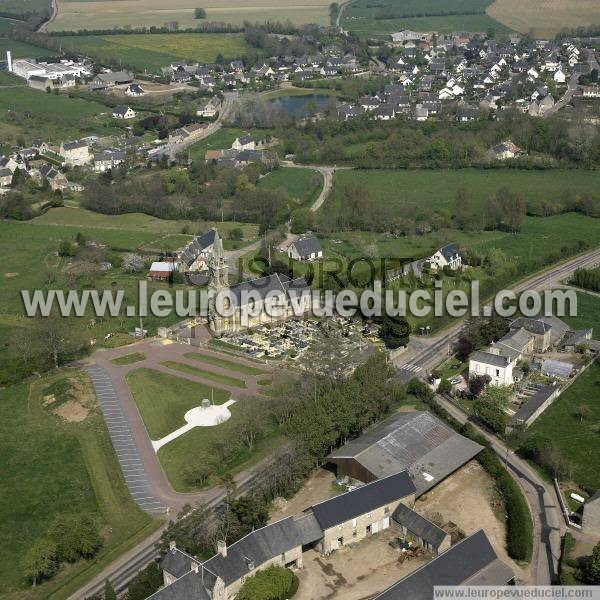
[(301, 106)]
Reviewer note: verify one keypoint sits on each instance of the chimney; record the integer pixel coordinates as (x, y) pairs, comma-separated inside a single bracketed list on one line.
[(172, 545), (194, 566), (9, 61), (222, 548)]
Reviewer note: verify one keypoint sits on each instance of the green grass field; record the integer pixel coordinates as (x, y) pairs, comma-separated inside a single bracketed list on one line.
[(163, 399), (577, 441), (153, 51), (52, 467), (54, 118), (588, 313), (6, 25), (217, 361), (302, 184), (419, 15), (138, 222), (22, 49), (128, 359), (437, 188), (205, 374)]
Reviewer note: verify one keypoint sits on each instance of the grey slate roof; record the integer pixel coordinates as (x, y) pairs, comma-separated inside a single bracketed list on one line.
[(414, 522), (269, 283), (529, 407), (73, 145), (307, 246), (362, 500), (417, 441), (488, 358), (177, 563), (258, 546), (309, 528), (534, 325), (449, 252), (193, 585), (120, 110), (197, 245), (471, 560)]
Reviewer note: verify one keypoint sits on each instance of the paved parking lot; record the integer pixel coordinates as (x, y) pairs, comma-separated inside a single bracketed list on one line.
[(125, 447)]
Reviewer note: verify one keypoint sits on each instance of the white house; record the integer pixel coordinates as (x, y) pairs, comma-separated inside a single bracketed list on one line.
[(123, 112), (448, 256), (135, 90), (559, 76), (497, 367), (244, 143), (305, 249)]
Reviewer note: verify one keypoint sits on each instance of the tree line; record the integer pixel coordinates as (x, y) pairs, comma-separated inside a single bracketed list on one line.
[(587, 278)]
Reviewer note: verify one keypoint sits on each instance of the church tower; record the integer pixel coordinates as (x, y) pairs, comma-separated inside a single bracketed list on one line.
[(218, 280), (217, 267)]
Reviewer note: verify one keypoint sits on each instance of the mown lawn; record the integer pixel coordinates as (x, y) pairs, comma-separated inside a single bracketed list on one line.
[(51, 467), (225, 364), (163, 399), (153, 51), (128, 359), (302, 184), (210, 375), (578, 441)]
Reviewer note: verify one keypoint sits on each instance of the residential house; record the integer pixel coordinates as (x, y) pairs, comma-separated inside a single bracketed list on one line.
[(210, 109), (497, 367), (245, 142), (195, 255), (40, 146), (590, 91), (447, 256), (505, 151), (104, 161), (75, 153), (305, 249), (6, 176), (123, 112), (135, 90), (187, 134)]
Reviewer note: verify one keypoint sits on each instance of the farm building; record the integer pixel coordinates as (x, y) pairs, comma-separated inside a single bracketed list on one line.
[(471, 561), (417, 441), (341, 521), (104, 81), (161, 270), (533, 408), (418, 529), (350, 517), (557, 368)]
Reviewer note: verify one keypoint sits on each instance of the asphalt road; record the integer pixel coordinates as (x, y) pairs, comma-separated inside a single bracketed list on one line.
[(425, 353)]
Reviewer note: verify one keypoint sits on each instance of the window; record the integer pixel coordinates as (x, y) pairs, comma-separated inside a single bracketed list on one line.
[(497, 372)]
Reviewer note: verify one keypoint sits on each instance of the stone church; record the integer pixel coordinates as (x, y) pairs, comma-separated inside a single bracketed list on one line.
[(265, 288)]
